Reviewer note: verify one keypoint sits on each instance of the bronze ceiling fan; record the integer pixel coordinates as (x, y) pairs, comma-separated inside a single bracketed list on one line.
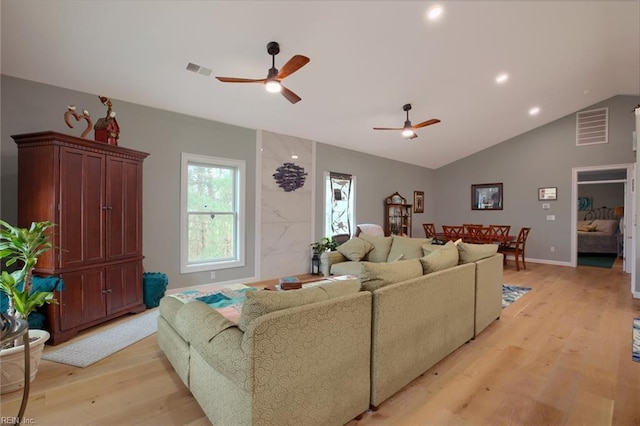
[(273, 82), (408, 131)]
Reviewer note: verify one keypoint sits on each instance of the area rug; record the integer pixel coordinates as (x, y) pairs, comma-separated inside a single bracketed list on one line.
[(91, 349), (636, 340), (598, 261), (511, 293)]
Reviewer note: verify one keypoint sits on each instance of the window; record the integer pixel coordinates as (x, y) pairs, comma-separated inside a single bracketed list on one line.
[(212, 213), (340, 190)]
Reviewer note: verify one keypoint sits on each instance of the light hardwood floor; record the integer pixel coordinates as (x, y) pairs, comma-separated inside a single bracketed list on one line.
[(560, 355)]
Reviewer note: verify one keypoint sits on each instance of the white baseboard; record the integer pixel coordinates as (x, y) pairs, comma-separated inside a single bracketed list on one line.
[(545, 261), (636, 295)]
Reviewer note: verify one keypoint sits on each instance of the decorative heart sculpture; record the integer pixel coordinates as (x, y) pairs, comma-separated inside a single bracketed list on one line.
[(71, 112)]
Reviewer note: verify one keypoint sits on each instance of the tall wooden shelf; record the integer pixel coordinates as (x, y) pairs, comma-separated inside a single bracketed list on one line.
[(397, 215), (92, 191)]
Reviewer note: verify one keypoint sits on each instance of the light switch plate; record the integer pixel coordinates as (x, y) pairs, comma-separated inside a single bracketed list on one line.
[(546, 206), (551, 217)]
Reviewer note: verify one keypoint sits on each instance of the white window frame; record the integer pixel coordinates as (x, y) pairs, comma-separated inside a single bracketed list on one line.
[(238, 259), (327, 196)]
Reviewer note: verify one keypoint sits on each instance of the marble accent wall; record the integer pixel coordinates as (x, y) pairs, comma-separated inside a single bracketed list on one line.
[(286, 217)]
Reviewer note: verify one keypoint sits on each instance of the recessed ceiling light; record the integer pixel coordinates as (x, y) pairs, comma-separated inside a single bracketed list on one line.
[(435, 12), (534, 111), (294, 156), (501, 78), (586, 92)]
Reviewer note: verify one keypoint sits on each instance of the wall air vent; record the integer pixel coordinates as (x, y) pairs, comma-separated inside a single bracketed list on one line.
[(198, 69), (592, 127)]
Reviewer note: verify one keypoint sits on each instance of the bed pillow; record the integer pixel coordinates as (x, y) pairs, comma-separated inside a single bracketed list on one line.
[(606, 226), (355, 249), (586, 228)]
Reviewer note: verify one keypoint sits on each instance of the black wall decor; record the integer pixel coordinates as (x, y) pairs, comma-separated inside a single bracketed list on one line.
[(290, 177)]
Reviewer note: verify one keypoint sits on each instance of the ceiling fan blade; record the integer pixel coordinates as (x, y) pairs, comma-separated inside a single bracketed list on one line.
[(388, 128), (426, 123), (293, 65), (291, 97), (241, 80)]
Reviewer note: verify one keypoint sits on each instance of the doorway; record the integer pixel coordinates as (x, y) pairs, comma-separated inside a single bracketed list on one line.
[(618, 178)]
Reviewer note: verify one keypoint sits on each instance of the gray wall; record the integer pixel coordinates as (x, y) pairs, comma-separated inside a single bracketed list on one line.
[(602, 195), (541, 157), (376, 179), (30, 107)]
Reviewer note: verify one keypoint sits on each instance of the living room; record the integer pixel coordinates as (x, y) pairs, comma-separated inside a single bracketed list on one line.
[(541, 156)]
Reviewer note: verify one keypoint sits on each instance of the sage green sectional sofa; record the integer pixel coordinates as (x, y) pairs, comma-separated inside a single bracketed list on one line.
[(322, 355), (300, 357)]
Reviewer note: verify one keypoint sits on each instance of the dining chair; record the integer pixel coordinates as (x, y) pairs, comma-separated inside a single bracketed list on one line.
[(341, 238), (429, 230), (500, 233), (480, 235), (516, 248), (453, 232)]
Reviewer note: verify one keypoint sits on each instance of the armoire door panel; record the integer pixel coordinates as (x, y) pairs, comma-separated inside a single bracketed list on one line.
[(83, 299), (81, 202), (124, 216), (123, 286)]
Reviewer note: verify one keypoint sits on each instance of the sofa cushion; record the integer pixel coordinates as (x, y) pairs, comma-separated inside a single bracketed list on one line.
[(381, 248), (377, 275), (355, 249), (408, 248), (346, 268), (430, 248), (259, 303), (443, 258), (470, 253)]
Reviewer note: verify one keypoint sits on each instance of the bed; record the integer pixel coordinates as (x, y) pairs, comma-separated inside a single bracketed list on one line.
[(598, 232)]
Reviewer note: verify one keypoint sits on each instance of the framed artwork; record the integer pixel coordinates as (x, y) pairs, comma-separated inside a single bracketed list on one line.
[(549, 193), (486, 196), (585, 203), (418, 201)]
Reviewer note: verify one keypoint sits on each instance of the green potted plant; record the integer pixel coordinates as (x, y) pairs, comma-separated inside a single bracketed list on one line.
[(22, 246), (325, 243)]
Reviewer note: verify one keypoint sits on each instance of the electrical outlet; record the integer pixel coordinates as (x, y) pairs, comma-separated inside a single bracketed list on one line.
[(551, 217), (546, 206), (212, 276), (552, 248)]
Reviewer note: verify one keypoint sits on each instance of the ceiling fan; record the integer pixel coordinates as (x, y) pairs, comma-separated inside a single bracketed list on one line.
[(408, 131), (273, 82)]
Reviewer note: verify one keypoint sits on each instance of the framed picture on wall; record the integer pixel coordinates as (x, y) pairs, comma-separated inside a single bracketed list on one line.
[(585, 203), (486, 196), (549, 193), (418, 201)]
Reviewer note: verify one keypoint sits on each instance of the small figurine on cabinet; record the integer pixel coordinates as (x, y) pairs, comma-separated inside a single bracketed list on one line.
[(107, 129), (71, 112)]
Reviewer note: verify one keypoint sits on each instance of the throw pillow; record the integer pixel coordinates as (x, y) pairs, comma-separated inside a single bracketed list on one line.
[(586, 228), (408, 248), (381, 248), (355, 249), (445, 257), (430, 248), (346, 268), (470, 253), (377, 275)]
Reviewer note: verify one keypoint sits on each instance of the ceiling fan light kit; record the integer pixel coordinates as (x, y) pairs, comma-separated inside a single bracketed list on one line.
[(273, 82), (409, 131)]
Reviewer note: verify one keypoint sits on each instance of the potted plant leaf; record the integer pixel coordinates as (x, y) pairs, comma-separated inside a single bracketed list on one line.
[(22, 247), (325, 243)]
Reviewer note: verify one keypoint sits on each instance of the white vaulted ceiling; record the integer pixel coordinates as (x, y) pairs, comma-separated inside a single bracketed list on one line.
[(368, 58)]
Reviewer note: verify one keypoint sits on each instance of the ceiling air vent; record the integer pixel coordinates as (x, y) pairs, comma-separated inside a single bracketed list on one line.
[(592, 127)]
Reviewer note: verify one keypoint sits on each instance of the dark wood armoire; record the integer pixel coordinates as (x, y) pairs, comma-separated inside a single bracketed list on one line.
[(92, 191)]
